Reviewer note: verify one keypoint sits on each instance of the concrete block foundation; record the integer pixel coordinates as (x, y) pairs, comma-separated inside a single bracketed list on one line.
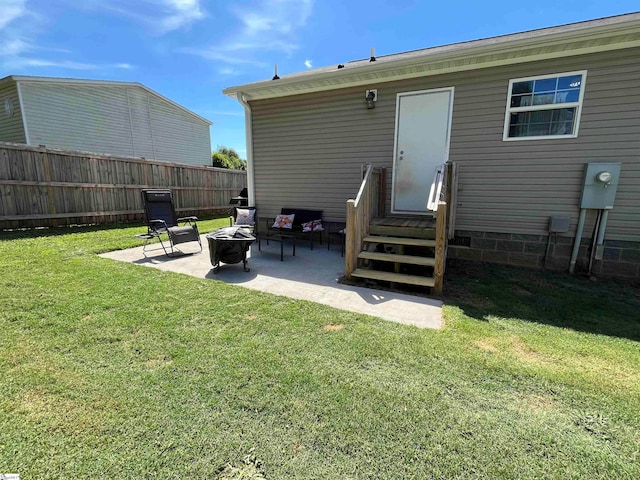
[(621, 259)]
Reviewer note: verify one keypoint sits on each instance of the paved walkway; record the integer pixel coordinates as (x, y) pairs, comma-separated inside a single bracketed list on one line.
[(310, 275)]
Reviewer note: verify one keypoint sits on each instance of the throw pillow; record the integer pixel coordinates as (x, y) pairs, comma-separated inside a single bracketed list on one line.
[(245, 216), (312, 226), (284, 221)]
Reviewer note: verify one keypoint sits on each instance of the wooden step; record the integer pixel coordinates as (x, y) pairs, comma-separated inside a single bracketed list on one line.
[(396, 231), (390, 257), (416, 242), (394, 277)]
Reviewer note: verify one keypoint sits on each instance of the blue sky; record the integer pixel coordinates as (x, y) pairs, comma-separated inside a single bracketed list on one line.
[(189, 50)]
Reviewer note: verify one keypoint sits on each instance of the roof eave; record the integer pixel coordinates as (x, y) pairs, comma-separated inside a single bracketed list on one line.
[(497, 51), (79, 81)]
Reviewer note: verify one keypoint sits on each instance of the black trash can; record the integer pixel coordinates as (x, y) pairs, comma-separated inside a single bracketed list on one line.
[(229, 245)]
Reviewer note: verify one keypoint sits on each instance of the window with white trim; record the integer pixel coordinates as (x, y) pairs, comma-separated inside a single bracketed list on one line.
[(547, 106)]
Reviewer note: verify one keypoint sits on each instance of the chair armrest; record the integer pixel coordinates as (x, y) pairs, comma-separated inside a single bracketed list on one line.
[(156, 224), (188, 219), (335, 227)]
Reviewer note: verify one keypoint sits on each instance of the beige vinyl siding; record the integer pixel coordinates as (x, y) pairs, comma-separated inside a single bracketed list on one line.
[(514, 187), (118, 120), (308, 148), (11, 127)]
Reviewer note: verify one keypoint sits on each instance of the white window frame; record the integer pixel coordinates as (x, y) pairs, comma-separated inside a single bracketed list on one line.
[(554, 106)]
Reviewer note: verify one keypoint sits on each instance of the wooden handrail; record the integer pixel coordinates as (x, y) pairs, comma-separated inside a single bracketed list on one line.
[(441, 248), (359, 214)]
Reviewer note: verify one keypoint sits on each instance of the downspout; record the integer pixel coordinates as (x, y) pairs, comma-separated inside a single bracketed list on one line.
[(601, 232), (248, 128), (578, 239)]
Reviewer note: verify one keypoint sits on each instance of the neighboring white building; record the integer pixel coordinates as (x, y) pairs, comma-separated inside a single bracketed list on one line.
[(118, 118)]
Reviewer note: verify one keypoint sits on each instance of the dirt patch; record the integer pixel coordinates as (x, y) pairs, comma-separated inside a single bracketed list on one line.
[(524, 352), (486, 345), (159, 362), (333, 326), (58, 413), (537, 403)]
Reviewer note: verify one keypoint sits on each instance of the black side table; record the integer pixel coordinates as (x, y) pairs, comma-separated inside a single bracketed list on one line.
[(337, 229), (278, 237)]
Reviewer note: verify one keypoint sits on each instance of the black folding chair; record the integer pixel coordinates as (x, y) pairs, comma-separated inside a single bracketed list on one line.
[(160, 217)]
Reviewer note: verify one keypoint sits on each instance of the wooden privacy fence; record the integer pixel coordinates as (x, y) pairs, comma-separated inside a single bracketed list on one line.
[(42, 186)]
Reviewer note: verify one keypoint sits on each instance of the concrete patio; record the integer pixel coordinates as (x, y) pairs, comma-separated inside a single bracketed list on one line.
[(310, 275)]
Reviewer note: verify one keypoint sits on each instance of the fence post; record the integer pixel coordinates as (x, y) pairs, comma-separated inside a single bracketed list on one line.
[(46, 169)]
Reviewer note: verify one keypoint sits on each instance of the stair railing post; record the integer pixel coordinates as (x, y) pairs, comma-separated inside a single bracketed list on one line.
[(350, 241), (441, 248), (358, 219)]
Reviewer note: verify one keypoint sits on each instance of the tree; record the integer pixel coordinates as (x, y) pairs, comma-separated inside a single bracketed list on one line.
[(225, 157)]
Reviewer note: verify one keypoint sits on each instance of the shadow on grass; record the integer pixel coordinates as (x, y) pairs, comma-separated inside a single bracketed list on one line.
[(604, 307), (37, 232), (57, 231)]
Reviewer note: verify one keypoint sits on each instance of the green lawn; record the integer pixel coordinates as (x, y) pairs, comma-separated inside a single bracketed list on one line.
[(112, 370)]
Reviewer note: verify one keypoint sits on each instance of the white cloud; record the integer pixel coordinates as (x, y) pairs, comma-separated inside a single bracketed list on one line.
[(13, 47), (158, 16), (264, 26), (308, 64), (181, 13), (222, 56), (19, 47), (20, 63), (227, 71), (274, 16), (10, 10)]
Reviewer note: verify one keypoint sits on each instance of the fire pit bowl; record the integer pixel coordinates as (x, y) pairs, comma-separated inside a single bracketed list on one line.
[(229, 245)]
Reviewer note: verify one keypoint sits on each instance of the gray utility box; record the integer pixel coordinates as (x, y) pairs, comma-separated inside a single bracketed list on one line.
[(559, 224), (600, 185)]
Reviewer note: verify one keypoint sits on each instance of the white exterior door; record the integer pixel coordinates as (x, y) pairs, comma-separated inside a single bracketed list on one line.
[(423, 128)]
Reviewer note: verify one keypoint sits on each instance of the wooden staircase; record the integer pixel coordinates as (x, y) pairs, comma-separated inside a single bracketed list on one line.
[(399, 250), (395, 249)]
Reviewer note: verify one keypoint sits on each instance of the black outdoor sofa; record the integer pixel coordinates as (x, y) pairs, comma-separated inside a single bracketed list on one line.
[(301, 216)]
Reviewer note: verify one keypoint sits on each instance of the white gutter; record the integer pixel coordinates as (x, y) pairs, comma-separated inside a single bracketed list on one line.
[(556, 42), (248, 129)]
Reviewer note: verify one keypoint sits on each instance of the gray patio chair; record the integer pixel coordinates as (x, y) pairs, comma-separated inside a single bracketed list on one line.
[(161, 219)]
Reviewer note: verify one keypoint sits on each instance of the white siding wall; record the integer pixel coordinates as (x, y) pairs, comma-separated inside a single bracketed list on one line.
[(11, 127), (193, 144), (308, 148), (117, 120), (140, 123)]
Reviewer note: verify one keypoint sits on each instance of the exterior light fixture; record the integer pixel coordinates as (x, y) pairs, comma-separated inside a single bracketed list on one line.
[(370, 98)]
